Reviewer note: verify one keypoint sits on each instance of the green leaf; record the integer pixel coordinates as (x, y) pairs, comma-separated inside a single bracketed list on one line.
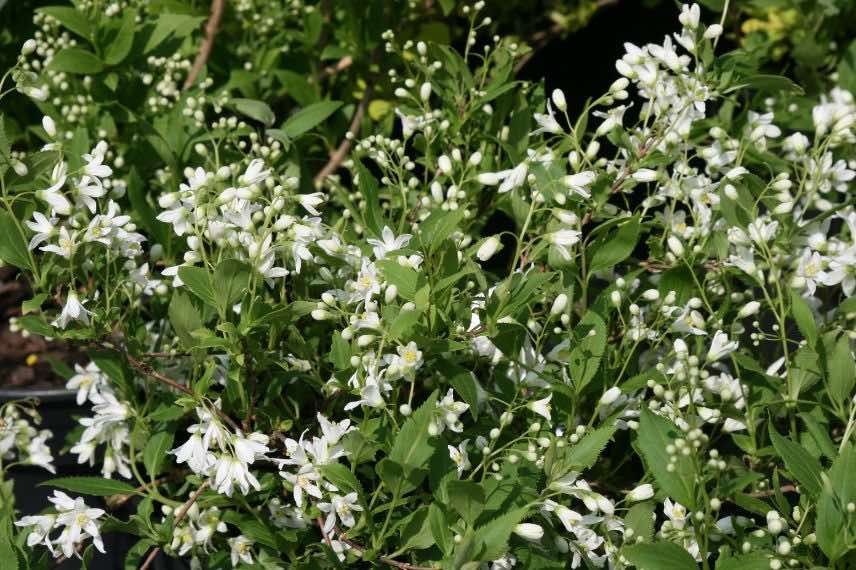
[(144, 212), (753, 561), (617, 247), (179, 25), (585, 452), (97, 486), (256, 110), (183, 317), (440, 528), (766, 83), (415, 531), (231, 279), (438, 227), (76, 60), (412, 448), (804, 318), (198, 280), (155, 452), (588, 352), (467, 498), (801, 465), (120, 47), (833, 520), (493, 537), (368, 187), (841, 371), (465, 384), (309, 117), (342, 477), (340, 352), (73, 19), (13, 246), (660, 556), (33, 305), (655, 434), (640, 519)]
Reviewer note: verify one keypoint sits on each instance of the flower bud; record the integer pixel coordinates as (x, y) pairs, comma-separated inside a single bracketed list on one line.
[(390, 294), (488, 178), (444, 164), (559, 305), (529, 531), (365, 340), (749, 309), (559, 100), (29, 47), (610, 396), (488, 248), (675, 246), (425, 91), (641, 493), (49, 126)]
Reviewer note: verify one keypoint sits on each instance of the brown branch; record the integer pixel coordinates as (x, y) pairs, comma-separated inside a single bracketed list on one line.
[(360, 548), (147, 370), (771, 492), (182, 512), (207, 44), (344, 147)]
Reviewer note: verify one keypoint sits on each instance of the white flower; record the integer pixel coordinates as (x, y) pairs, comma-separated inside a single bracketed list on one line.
[(52, 195), (231, 471), (450, 410), (87, 381), (72, 311), (529, 531), (43, 227), (254, 173), (488, 248), (563, 240), (304, 481), (388, 243), (342, 507), (512, 178), (310, 201), (579, 183), (43, 524), (720, 346), (195, 453), (241, 550), (641, 493), (79, 521), (541, 407), (546, 123), (675, 512), (94, 165), (460, 457), (334, 431)]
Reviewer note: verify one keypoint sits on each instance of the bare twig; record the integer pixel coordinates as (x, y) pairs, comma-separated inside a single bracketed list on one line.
[(344, 147), (182, 512), (360, 548), (147, 370), (207, 44), (770, 492)]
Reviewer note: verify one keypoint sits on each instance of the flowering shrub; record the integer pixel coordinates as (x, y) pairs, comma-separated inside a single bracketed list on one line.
[(303, 358)]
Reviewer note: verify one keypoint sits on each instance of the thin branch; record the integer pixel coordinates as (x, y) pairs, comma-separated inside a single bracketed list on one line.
[(182, 512), (147, 370), (341, 152), (360, 548), (207, 44)]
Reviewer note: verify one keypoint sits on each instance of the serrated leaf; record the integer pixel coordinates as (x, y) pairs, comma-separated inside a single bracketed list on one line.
[(660, 556), (256, 110), (799, 462), (841, 371), (586, 356), (617, 247), (655, 434), (13, 246), (155, 452), (467, 498), (492, 538), (198, 281), (640, 518), (73, 19), (120, 47), (309, 117), (804, 318), (585, 452), (97, 486), (76, 60)]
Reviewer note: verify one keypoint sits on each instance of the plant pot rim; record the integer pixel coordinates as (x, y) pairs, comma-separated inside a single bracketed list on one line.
[(43, 394)]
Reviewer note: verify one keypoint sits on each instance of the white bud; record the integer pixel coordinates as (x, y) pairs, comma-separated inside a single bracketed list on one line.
[(641, 493), (610, 396), (529, 531), (49, 126), (425, 91), (390, 294), (675, 246), (559, 100), (488, 248), (445, 164), (615, 298), (559, 304), (365, 340), (29, 47), (749, 309), (488, 178)]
